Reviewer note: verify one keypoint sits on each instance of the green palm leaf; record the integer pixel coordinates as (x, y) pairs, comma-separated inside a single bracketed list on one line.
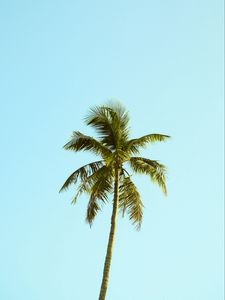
[(133, 145), (111, 123), (80, 142), (99, 191), (152, 168), (130, 201), (82, 173), (87, 185)]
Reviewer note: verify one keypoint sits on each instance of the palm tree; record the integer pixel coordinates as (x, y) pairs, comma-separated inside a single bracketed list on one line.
[(108, 176)]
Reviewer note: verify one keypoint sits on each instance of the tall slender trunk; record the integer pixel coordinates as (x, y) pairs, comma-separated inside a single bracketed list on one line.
[(108, 257)]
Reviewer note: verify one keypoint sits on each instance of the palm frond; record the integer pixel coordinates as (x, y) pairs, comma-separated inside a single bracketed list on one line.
[(133, 145), (99, 118), (86, 186), (80, 142), (121, 119), (110, 123), (82, 173), (92, 210), (99, 191), (98, 185), (152, 168), (130, 201)]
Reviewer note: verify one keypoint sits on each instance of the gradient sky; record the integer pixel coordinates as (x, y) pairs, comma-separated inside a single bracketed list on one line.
[(164, 61)]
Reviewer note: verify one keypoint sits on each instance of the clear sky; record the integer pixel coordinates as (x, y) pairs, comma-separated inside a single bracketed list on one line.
[(164, 61)]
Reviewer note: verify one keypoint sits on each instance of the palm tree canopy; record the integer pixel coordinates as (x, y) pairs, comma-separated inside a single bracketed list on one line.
[(116, 150)]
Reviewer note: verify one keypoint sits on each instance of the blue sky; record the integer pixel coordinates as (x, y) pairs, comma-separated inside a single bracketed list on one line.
[(164, 61)]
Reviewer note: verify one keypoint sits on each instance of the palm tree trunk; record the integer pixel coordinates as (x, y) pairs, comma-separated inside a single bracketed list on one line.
[(108, 257)]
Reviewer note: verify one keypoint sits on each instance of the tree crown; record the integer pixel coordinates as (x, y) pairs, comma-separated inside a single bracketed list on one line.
[(115, 149)]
